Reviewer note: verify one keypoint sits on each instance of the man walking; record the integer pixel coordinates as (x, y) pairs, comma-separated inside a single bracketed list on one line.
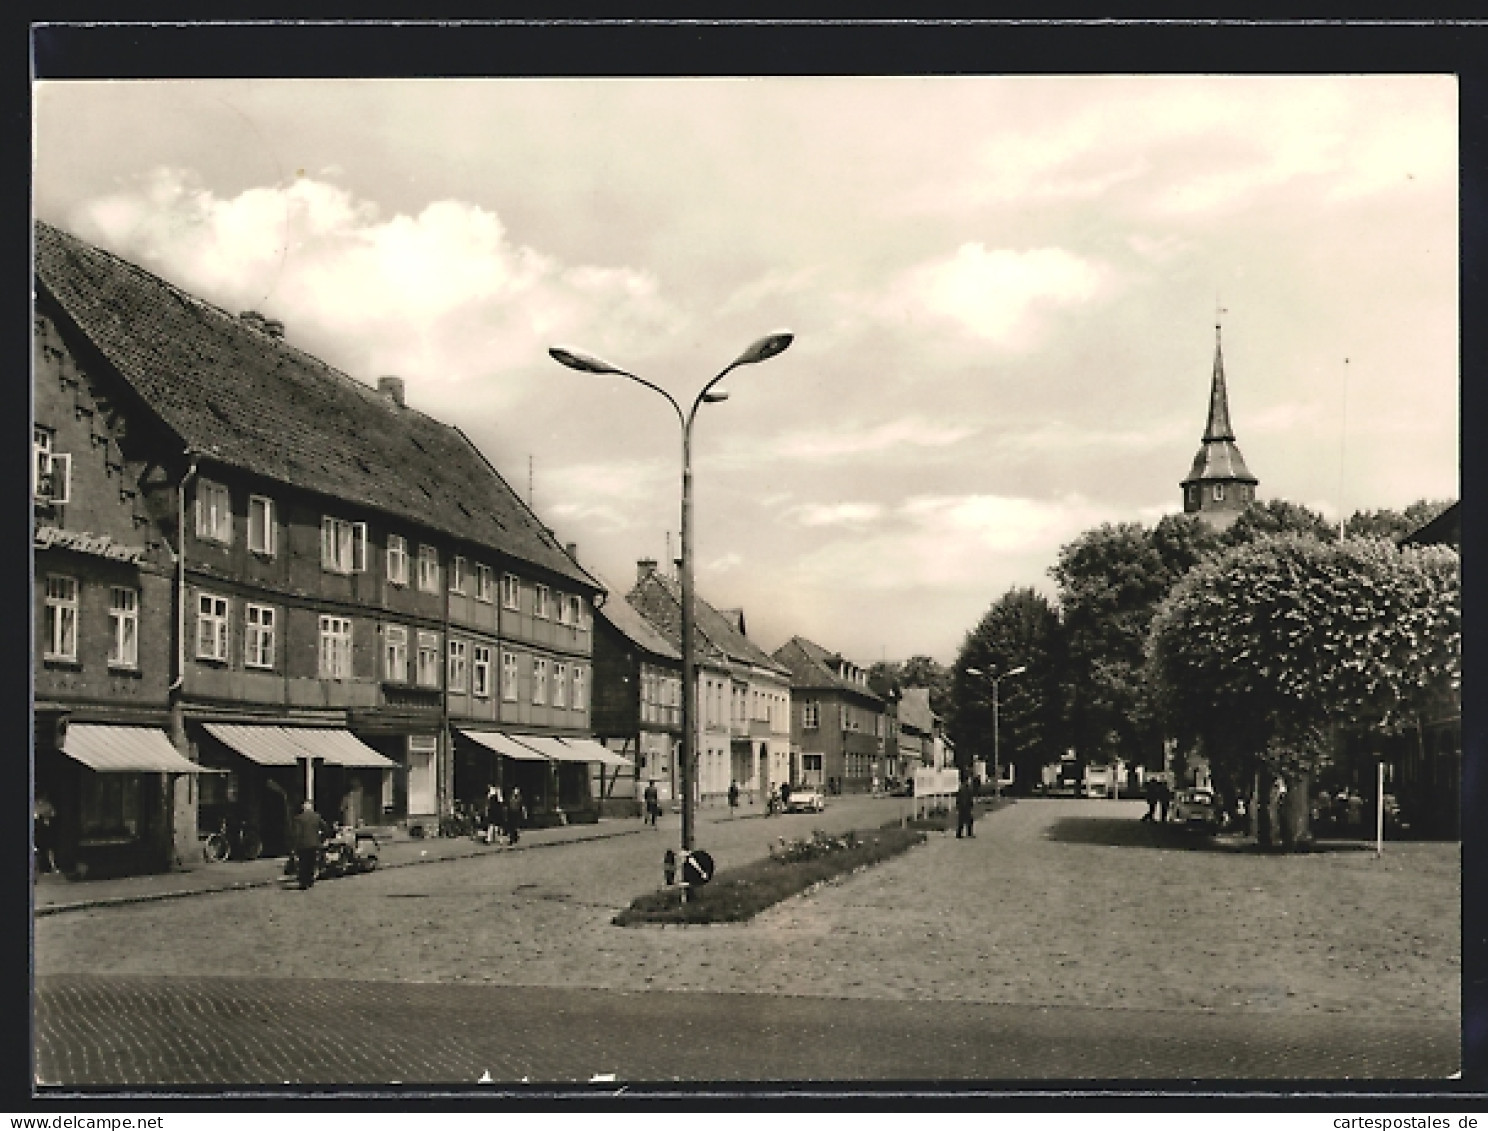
[(965, 799), (653, 802), (514, 815), (304, 842), (733, 796), (1153, 789)]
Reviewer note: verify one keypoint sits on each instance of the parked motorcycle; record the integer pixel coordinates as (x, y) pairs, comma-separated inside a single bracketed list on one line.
[(346, 852)]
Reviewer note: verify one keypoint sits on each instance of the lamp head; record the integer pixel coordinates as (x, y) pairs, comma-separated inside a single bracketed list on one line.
[(771, 345), (583, 362), (975, 671), (713, 396), (1019, 670)]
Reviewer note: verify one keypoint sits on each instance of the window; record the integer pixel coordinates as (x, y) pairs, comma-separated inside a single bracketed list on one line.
[(258, 636), (1219, 492), (480, 672), (810, 714), (343, 545), (110, 805), (261, 525), (540, 602), (61, 618), (575, 610), (560, 685), (457, 574), (539, 681), (123, 627), (580, 701), (509, 676), (51, 471), (211, 627), (428, 659), (428, 569), (422, 777), (397, 560), (483, 583), (459, 674), (511, 590), (213, 512), (335, 648), (395, 653), (565, 610), (811, 763)]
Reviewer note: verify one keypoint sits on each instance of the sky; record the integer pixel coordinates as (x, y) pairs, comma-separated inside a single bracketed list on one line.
[(1004, 292)]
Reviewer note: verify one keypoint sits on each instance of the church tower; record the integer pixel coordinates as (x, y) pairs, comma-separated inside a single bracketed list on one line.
[(1219, 485)]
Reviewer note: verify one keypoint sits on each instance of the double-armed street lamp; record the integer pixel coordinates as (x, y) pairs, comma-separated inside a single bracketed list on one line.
[(996, 753), (765, 348)]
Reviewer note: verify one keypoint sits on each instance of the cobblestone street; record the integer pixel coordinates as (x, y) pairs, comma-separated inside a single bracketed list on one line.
[(1067, 940)]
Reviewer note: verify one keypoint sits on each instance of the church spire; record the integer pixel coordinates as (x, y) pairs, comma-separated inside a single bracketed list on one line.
[(1219, 400)]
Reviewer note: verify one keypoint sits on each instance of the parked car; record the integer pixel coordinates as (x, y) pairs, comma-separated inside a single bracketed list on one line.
[(805, 799), (1198, 809)]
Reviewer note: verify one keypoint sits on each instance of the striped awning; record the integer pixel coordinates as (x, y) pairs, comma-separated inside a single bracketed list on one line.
[(553, 748), (597, 752), (504, 745), (125, 750), (286, 746)]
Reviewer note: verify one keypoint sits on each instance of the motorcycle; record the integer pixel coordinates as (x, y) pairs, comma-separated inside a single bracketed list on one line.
[(347, 852)]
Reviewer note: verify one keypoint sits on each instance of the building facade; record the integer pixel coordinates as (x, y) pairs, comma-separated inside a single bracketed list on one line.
[(838, 724), (743, 696), (1219, 486), (350, 589)]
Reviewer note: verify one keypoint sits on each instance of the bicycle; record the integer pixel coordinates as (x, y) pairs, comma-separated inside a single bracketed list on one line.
[(232, 840)]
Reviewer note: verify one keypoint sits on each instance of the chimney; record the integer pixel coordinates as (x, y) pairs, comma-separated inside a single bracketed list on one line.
[(392, 389), (644, 569), (572, 550)]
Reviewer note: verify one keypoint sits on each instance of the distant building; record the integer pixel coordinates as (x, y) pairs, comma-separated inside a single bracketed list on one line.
[(837, 721), (743, 696), (1219, 486)]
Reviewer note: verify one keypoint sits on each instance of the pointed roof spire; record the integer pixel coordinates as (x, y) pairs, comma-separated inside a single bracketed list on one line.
[(1219, 401)]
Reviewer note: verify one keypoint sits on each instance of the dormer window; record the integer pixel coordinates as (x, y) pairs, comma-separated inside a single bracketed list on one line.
[(1219, 492)]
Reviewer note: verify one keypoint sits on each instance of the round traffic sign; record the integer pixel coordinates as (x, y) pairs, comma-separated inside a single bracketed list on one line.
[(697, 868)]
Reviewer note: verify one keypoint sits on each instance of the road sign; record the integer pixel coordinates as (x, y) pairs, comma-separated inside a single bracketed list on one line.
[(697, 868)]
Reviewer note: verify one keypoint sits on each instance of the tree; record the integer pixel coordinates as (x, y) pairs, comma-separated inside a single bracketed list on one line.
[(1263, 654), (887, 678), (1393, 524), (1021, 629), (1111, 580), (1277, 516)]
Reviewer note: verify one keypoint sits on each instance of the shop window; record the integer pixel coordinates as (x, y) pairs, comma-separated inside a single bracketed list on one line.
[(110, 806)]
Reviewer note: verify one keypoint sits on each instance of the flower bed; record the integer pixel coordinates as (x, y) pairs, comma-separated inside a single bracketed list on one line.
[(737, 894)]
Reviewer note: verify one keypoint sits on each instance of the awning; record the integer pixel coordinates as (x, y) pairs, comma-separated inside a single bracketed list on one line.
[(506, 747), (554, 748), (125, 750), (285, 746), (268, 746), (340, 748), (597, 752)]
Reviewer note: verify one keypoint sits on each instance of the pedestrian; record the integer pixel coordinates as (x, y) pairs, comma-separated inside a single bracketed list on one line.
[(733, 795), (495, 813), (785, 797), (44, 834), (1153, 790), (965, 802), (653, 802), (304, 841), (1164, 798), (514, 815)]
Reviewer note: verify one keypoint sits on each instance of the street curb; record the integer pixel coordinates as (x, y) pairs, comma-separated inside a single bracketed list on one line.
[(249, 885)]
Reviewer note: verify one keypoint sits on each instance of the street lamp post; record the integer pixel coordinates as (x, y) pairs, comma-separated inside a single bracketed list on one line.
[(762, 350), (996, 752)]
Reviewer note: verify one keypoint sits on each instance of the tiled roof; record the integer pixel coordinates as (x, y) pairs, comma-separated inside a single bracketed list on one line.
[(659, 600), (626, 619), (813, 668), (249, 400), (1445, 529)]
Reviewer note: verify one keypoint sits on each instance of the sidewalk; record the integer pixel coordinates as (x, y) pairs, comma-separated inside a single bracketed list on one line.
[(54, 893)]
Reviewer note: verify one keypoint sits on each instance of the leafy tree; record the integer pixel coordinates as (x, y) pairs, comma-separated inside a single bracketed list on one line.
[(1393, 524), (1277, 516), (1021, 629), (1263, 654), (887, 677)]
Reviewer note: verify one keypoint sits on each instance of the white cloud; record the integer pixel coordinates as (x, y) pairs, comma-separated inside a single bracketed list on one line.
[(994, 295), (856, 440), (440, 297), (834, 514)]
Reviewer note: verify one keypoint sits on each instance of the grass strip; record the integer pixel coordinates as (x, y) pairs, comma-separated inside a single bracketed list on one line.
[(737, 894)]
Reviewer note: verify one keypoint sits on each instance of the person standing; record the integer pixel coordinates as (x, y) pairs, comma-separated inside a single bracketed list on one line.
[(44, 831), (733, 796), (1164, 798), (965, 802), (652, 801), (304, 842), (514, 814), (495, 813), (1153, 788)]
